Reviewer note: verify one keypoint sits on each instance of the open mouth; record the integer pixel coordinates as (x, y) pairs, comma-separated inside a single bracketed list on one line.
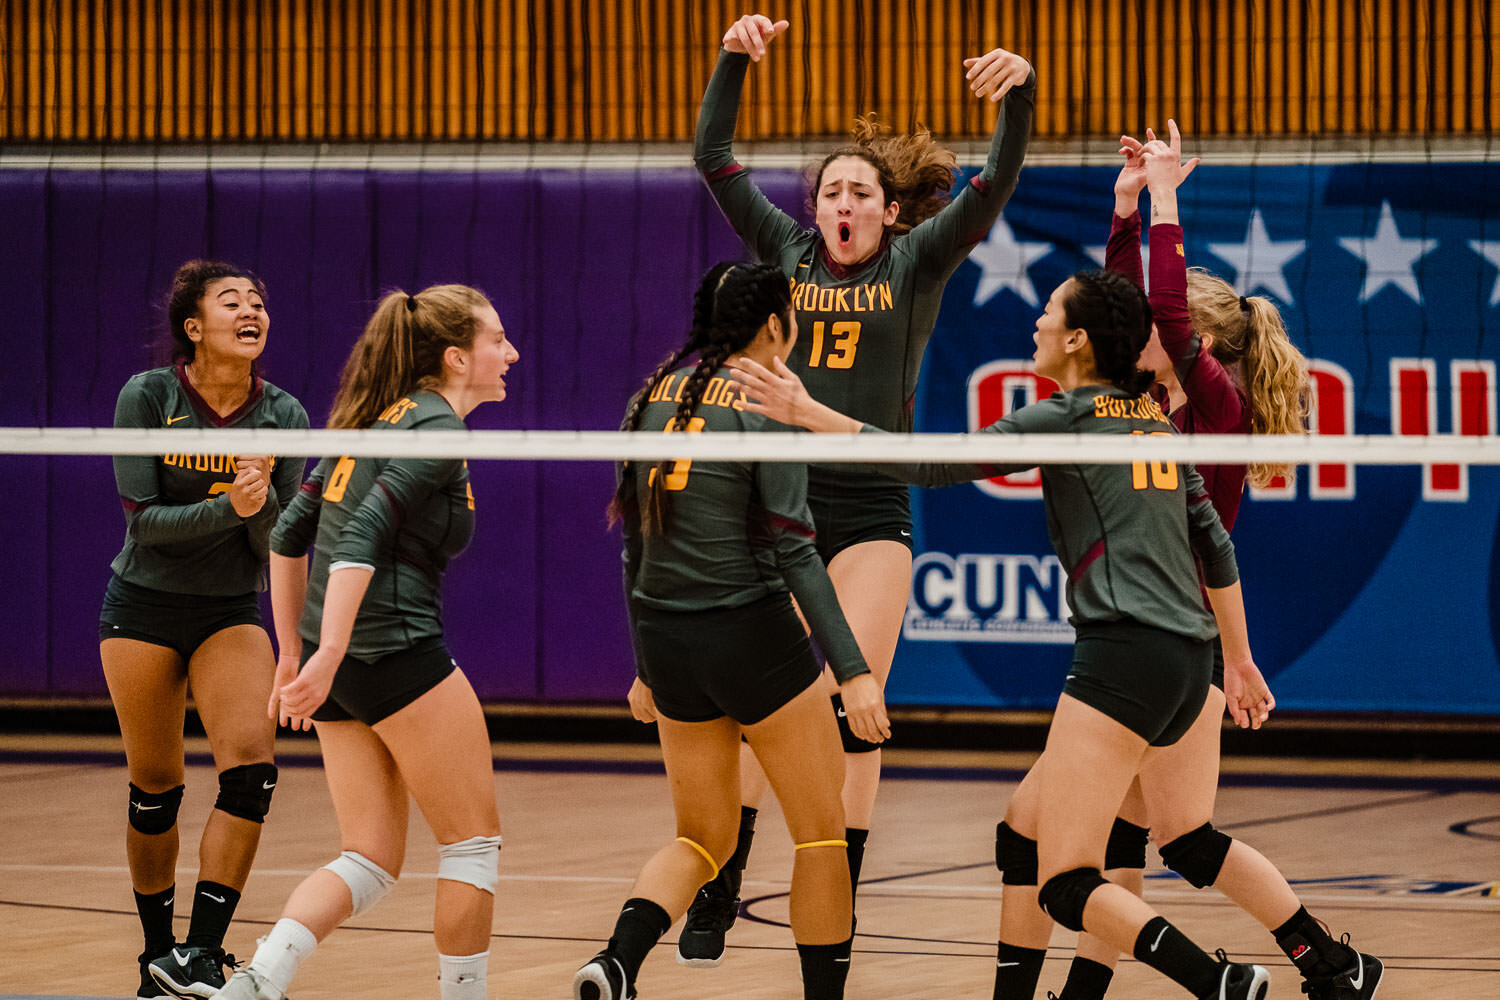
[(844, 233), (247, 334)]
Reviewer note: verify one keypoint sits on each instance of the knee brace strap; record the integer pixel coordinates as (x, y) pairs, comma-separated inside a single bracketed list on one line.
[(852, 743), (1015, 856), (821, 843), (712, 864), (368, 882), (1126, 847), (245, 791), (1199, 855), (154, 812), (1066, 894), (475, 861)]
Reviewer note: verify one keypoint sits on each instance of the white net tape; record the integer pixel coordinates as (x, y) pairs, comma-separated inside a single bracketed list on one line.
[(1041, 449)]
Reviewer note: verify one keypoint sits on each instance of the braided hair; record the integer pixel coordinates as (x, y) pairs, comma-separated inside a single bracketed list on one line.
[(1114, 311), (915, 171), (733, 301)]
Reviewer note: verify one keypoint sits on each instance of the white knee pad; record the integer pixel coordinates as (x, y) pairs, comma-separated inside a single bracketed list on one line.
[(368, 882), (475, 861)]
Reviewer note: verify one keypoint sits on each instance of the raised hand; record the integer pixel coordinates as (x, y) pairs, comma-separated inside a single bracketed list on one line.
[(1163, 160), (751, 34), (1132, 178), (995, 73)]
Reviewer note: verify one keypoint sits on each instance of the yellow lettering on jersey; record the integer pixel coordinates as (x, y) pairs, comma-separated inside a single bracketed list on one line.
[(843, 301), (885, 295), (711, 394), (397, 410)]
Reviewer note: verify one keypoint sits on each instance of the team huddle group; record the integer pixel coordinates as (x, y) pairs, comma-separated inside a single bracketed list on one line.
[(765, 598)]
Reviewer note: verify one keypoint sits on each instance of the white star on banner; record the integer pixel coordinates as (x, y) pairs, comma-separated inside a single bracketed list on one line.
[(1258, 260), (1003, 261), (1389, 259), (1490, 251)]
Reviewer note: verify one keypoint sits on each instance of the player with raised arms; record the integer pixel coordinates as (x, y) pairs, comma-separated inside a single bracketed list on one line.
[(867, 282)]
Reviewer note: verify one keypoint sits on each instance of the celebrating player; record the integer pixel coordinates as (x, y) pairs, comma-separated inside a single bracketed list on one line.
[(867, 283), (1142, 661), (394, 714), (181, 609), (714, 553)]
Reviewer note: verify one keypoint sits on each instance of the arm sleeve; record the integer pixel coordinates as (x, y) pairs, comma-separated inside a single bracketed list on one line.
[(149, 520), (942, 242), (1206, 534), (298, 524), (1122, 254), (765, 228), (630, 557), (286, 480), (400, 486), (1046, 417), (1211, 391), (783, 492)]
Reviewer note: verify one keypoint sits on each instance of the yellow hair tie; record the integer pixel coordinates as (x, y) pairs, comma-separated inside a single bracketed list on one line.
[(706, 856), (821, 843)]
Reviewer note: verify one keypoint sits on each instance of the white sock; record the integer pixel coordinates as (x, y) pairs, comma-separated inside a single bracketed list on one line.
[(281, 951), (462, 977)]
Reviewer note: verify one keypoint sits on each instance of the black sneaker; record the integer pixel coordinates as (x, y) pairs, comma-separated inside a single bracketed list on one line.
[(603, 978), (1239, 981), (701, 943), (191, 973), (148, 990), (1358, 982)]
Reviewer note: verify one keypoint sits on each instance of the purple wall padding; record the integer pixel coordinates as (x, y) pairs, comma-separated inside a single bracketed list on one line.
[(592, 272)]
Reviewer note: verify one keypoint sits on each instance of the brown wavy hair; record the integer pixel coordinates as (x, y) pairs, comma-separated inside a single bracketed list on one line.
[(401, 350), (1270, 369), (915, 170)]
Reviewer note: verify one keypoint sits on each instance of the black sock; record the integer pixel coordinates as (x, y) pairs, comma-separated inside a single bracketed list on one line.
[(856, 850), (1315, 954), (1168, 951), (640, 925), (824, 969), (726, 884), (1087, 980), (156, 921), (213, 908), (1016, 971)]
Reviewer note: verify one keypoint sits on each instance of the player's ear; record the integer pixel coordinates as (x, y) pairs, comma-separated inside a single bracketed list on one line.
[(193, 329), (892, 213), (455, 358)]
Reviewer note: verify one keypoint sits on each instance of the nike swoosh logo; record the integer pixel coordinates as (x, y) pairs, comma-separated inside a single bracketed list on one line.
[(169, 901), (140, 808), (216, 899), (181, 958), (173, 420), (1358, 982), (269, 785), (1158, 938), (844, 960), (1005, 965), (843, 714), (906, 534)]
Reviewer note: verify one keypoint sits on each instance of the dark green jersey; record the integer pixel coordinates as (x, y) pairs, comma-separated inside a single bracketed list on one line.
[(181, 533), (737, 531), (404, 518), (1126, 534), (862, 331)]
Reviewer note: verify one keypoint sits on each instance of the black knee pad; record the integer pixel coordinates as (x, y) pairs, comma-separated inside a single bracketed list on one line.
[(1066, 894), (1198, 856), (1015, 856), (245, 791), (1126, 847), (852, 743), (154, 812)]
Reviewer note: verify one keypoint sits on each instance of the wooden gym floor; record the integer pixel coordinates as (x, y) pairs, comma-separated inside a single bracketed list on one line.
[(1405, 857)]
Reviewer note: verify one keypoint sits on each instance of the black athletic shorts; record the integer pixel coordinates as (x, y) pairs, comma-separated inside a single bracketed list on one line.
[(743, 662), (1151, 681), (177, 621), (371, 691), (1218, 675), (849, 509)]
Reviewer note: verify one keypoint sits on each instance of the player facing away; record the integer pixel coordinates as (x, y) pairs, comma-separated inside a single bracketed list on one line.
[(1129, 535), (714, 554), (363, 656), (181, 610), (1224, 365), (867, 282)]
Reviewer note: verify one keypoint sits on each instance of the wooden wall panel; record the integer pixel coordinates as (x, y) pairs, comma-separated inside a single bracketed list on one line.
[(633, 70)]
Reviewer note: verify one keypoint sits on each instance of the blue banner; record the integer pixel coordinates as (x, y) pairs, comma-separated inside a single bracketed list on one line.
[(1367, 587)]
